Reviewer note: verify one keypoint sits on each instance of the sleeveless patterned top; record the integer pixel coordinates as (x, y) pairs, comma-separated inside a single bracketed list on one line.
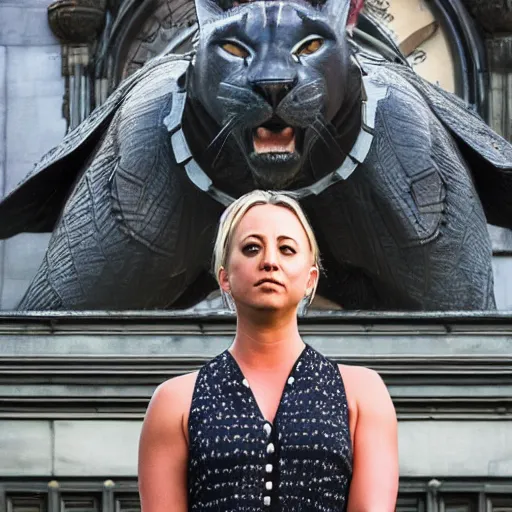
[(240, 462)]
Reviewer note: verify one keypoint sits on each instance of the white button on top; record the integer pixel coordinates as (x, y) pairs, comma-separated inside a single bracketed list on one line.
[(245, 382), (268, 486), (268, 468), (267, 428), (270, 448), (291, 380), (266, 501)]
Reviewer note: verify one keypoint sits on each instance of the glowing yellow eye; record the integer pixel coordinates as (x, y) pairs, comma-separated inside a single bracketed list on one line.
[(310, 47), (236, 50)]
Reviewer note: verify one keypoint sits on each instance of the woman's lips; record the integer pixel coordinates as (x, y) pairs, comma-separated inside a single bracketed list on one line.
[(268, 281)]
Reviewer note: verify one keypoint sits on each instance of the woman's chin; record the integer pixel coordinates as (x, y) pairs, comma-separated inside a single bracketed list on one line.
[(266, 302), (272, 305)]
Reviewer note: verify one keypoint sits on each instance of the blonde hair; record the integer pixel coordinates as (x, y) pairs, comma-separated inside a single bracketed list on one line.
[(236, 210)]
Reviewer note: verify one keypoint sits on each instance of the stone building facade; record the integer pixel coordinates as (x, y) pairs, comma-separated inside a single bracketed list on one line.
[(73, 388)]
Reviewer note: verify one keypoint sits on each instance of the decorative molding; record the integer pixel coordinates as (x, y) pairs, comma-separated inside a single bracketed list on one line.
[(438, 366), (415, 495), (141, 31), (495, 16), (77, 22), (499, 50)]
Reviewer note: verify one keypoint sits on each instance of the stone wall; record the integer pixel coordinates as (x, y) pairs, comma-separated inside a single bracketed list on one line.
[(31, 122), (74, 387)]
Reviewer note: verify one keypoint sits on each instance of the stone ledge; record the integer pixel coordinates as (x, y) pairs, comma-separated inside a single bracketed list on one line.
[(107, 365), (97, 448)]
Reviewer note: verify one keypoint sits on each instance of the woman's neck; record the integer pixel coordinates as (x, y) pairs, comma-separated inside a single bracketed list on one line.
[(267, 345)]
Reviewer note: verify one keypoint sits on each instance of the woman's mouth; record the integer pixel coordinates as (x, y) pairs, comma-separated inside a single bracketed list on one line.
[(268, 281)]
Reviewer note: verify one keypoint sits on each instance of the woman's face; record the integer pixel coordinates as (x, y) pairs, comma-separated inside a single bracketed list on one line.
[(270, 264)]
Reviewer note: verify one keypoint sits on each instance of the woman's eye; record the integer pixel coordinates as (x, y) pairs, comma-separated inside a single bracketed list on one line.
[(310, 47), (250, 249), (286, 249), (236, 50)]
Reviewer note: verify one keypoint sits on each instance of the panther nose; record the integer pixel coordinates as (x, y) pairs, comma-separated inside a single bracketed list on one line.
[(274, 91)]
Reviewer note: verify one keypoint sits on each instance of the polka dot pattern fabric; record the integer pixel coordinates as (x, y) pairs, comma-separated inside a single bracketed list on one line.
[(240, 462)]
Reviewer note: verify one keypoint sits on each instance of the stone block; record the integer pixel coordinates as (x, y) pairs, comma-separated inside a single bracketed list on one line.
[(35, 88), (12, 293), (35, 124), (42, 4), (159, 339), (22, 256), (440, 449), (25, 24), (501, 239), (25, 448), (3, 114), (93, 448), (502, 266)]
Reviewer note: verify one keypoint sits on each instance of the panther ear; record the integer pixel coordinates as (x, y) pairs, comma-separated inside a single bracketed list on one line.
[(206, 10), (342, 12), (356, 6)]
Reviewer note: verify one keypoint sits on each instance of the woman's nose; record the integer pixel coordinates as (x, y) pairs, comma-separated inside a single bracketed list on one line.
[(269, 261)]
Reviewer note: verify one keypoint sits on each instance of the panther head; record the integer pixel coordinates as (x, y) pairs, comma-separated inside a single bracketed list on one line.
[(273, 74)]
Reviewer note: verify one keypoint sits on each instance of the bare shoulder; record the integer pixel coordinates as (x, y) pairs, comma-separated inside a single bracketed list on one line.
[(177, 385), (177, 389), (172, 399), (359, 375), (366, 387)]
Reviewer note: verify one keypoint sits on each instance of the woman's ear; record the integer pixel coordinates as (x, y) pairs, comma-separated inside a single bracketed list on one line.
[(312, 280), (224, 280)]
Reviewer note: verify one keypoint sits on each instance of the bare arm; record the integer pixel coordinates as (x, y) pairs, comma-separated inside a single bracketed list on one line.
[(163, 448), (374, 484)]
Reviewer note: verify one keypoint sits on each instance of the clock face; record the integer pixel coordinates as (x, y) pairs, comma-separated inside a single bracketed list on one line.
[(421, 37)]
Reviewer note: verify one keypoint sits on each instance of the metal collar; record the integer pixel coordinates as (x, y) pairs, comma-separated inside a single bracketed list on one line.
[(372, 93)]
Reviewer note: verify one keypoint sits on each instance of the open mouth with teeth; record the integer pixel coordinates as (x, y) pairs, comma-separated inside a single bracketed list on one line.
[(267, 141), (274, 153), (274, 137)]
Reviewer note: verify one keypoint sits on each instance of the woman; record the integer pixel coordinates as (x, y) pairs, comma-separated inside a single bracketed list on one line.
[(269, 424)]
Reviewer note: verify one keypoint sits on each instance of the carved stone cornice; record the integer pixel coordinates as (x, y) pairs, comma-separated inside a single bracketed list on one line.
[(76, 22), (499, 50), (495, 16), (106, 365)]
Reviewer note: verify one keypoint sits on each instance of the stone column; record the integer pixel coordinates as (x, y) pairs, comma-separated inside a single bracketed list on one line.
[(495, 19), (77, 24)]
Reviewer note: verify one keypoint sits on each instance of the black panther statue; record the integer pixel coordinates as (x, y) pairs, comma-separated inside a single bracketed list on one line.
[(397, 176)]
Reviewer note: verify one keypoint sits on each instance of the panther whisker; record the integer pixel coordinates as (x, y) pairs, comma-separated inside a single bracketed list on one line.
[(223, 132), (319, 134), (325, 134), (217, 156), (220, 139), (231, 101)]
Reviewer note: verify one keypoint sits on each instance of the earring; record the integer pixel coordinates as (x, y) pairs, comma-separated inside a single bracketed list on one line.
[(304, 304), (227, 301)]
